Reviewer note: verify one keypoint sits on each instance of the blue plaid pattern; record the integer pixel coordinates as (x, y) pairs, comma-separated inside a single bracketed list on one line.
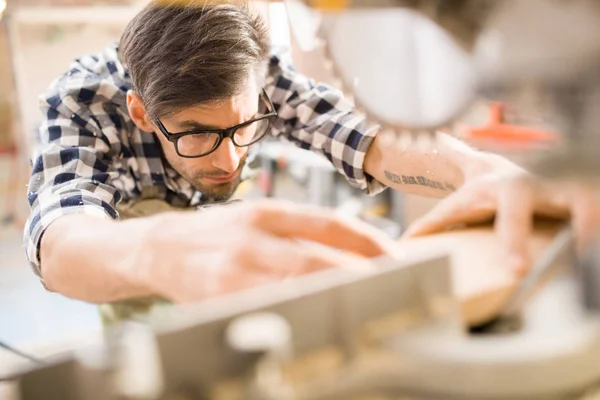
[(90, 155)]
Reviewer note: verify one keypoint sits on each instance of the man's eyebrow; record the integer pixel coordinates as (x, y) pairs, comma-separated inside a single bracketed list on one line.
[(189, 125), (195, 125)]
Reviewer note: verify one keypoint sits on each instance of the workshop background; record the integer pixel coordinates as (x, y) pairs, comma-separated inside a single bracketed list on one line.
[(38, 39)]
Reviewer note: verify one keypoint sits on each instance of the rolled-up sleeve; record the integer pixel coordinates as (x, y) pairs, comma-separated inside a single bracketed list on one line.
[(317, 117), (70, 174)]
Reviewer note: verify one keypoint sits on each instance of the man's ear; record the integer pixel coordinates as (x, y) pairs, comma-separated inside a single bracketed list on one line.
[(138, 113)]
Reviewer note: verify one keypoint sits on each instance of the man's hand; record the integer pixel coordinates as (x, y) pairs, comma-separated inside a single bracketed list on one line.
[(513, 200), (190, 256)]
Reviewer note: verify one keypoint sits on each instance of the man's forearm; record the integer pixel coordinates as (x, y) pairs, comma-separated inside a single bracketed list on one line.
[(432, 172), (92, 259)]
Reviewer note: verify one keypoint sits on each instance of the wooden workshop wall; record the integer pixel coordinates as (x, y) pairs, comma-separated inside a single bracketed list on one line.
[(7, 95)]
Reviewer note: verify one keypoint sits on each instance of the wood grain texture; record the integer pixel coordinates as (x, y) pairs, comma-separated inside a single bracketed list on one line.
[(482, 282)]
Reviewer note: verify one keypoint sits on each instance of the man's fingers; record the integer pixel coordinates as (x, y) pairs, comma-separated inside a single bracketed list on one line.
[(585, 212), (238, 281), (220, 283), (282, 257), (513, 224), (323, 226), (462, 207)]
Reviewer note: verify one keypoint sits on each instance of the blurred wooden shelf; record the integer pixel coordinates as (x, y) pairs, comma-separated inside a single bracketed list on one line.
[(117, 15)]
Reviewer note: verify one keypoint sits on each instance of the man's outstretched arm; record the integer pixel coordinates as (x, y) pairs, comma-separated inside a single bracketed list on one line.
[(184, 256), (94, 259)]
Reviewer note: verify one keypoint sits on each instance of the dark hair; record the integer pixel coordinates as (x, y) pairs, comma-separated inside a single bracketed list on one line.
[(183, 53)]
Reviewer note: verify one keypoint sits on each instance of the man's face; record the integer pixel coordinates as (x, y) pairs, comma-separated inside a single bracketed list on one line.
[(217, 174)]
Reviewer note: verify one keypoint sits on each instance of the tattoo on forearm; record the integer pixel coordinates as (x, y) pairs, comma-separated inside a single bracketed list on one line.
[(418, 180)]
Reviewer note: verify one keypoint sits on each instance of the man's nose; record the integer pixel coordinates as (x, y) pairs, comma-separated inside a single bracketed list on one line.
[(226, 157)]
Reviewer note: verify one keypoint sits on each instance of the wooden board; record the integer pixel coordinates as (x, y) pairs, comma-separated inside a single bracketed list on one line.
[(481, 280)]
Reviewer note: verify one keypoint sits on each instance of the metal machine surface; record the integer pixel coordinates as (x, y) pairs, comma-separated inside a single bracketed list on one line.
[(393, 331)]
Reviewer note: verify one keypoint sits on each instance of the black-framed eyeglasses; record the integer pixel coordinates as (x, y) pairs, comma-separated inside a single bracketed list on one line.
[(202, 142)]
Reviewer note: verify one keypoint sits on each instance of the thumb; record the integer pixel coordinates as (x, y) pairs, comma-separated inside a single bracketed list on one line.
[(514, 220), (585, 211), (470, 204)]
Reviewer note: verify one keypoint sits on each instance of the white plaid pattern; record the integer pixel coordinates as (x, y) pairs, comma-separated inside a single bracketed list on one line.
[(91, 155)]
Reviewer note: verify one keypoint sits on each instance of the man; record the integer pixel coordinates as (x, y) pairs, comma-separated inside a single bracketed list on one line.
[(170, 116)]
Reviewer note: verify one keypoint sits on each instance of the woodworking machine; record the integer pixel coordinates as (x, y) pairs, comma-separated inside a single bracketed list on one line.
[(393, 331)]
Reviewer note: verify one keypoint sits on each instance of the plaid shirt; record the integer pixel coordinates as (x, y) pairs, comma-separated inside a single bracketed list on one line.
[(91, 156)]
